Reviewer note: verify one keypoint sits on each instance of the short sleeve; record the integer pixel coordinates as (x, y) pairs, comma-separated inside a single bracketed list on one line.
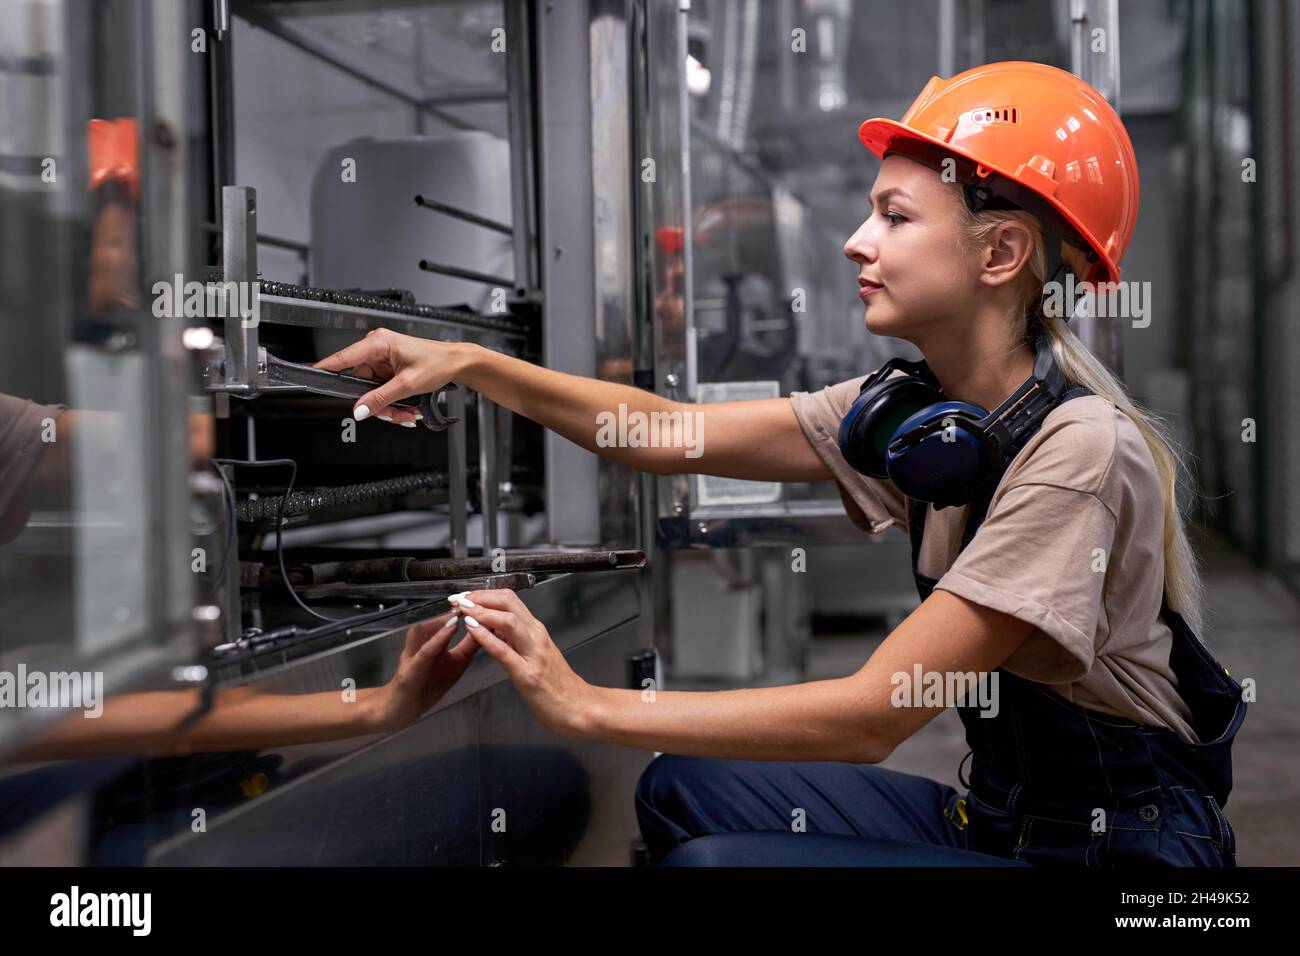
[(872, 504), (21, 422), (1041, 556)]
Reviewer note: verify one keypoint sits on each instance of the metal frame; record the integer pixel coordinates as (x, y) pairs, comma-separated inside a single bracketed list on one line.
[(566, 253)]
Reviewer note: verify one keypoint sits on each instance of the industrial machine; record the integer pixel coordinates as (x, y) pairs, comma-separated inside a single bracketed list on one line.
[(290, 552)]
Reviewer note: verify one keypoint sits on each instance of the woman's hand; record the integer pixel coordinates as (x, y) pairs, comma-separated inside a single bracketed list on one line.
[(407, 365), (559, 698), (425, 672)]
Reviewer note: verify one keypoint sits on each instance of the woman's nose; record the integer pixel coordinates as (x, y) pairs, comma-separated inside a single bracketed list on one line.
[(857, 248)]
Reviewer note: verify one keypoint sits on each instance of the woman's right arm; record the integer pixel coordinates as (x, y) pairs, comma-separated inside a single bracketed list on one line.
[(759, 440)]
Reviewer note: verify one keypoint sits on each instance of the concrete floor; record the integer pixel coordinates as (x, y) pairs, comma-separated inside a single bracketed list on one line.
[(1254, 628)]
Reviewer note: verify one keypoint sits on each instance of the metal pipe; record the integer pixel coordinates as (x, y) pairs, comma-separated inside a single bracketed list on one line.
[(436, 206), (427, 266), (456, 99), (221, 18), (291, 244)]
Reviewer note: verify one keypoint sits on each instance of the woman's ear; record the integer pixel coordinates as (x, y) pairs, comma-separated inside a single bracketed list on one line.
[(1007, 253)]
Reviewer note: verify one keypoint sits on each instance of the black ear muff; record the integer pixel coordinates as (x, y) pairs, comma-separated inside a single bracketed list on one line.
[(869, 426)]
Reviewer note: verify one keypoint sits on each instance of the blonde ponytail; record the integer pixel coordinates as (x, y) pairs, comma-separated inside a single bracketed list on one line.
[(1183, 588)]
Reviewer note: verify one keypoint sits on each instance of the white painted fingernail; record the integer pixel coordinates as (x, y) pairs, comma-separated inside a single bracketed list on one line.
[(407, 424), (470, 621), (360, 412), (453, 621), (419, 416), (466, 602), (385, 418)]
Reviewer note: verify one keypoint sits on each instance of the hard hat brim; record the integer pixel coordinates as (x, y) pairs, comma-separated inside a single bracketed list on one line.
[(879, 134)]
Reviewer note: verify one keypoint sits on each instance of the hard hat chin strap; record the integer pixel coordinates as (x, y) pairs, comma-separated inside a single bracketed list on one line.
[(1054, 269)]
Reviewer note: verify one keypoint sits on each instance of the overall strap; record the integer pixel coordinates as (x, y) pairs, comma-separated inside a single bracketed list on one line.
[(980, 506)]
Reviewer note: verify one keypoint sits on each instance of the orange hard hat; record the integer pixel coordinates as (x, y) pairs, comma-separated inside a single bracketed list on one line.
[(114, 153), (1036, 136)]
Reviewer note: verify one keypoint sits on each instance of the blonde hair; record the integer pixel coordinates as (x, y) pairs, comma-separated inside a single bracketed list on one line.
[(1183, 588)]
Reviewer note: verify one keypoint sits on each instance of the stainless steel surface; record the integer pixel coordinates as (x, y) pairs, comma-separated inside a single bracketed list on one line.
[(568, 259), (615, 174), (520, 22), (788, 523), (488, 471), (457, 464), (1094, 57), (428, 795), (239, 272)]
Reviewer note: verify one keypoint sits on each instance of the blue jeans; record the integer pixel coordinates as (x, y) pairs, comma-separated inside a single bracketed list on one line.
[(704, 811)]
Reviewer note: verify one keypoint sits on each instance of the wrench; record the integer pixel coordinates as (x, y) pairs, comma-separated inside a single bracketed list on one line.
[(274, 374)]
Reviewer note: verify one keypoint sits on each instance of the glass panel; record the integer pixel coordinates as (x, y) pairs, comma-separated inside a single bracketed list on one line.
[(779, 181), (89, 561)]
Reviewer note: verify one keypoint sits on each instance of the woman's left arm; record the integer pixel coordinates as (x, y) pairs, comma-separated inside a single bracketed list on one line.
[(850, 719)]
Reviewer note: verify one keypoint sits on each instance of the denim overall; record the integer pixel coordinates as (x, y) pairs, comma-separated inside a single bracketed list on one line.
[(1055, 783)]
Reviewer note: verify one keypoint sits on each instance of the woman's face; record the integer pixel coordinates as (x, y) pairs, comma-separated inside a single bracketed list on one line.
[(910, 246)]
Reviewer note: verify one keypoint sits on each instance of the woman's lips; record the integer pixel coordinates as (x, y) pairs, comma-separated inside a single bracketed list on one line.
[(866, 288)]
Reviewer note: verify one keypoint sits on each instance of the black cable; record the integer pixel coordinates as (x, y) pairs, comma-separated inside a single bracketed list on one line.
[(362, 618), (279, 521), (279, 524), (232, 541)]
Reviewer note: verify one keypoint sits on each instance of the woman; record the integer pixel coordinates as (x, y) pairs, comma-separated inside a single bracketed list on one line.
[(1107, 737)]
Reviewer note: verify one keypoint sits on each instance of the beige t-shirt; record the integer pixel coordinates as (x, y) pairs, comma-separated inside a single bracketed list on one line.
[(20, 452), (1085, 481)]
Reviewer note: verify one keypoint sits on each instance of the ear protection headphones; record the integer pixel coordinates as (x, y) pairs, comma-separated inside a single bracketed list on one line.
[(935, 449)]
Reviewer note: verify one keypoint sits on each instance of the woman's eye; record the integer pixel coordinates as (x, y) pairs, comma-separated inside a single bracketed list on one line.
[(891, 216)]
